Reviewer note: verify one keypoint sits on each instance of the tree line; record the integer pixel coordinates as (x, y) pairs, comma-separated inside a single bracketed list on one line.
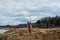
[(46, 22), (49, 22)]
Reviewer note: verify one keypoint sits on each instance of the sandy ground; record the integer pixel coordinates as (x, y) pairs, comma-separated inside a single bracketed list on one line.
[(37, 34)]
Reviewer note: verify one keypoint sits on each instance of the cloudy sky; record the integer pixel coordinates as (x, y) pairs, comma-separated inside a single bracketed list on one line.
[(14, 12)]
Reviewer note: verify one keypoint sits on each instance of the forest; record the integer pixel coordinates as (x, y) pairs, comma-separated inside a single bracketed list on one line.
[(49, 22)]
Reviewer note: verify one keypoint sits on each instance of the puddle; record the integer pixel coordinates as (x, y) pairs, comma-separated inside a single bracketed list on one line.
[(3, 31)]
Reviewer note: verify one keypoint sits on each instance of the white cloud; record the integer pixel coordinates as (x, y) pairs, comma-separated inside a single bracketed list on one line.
[(19, 11)]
